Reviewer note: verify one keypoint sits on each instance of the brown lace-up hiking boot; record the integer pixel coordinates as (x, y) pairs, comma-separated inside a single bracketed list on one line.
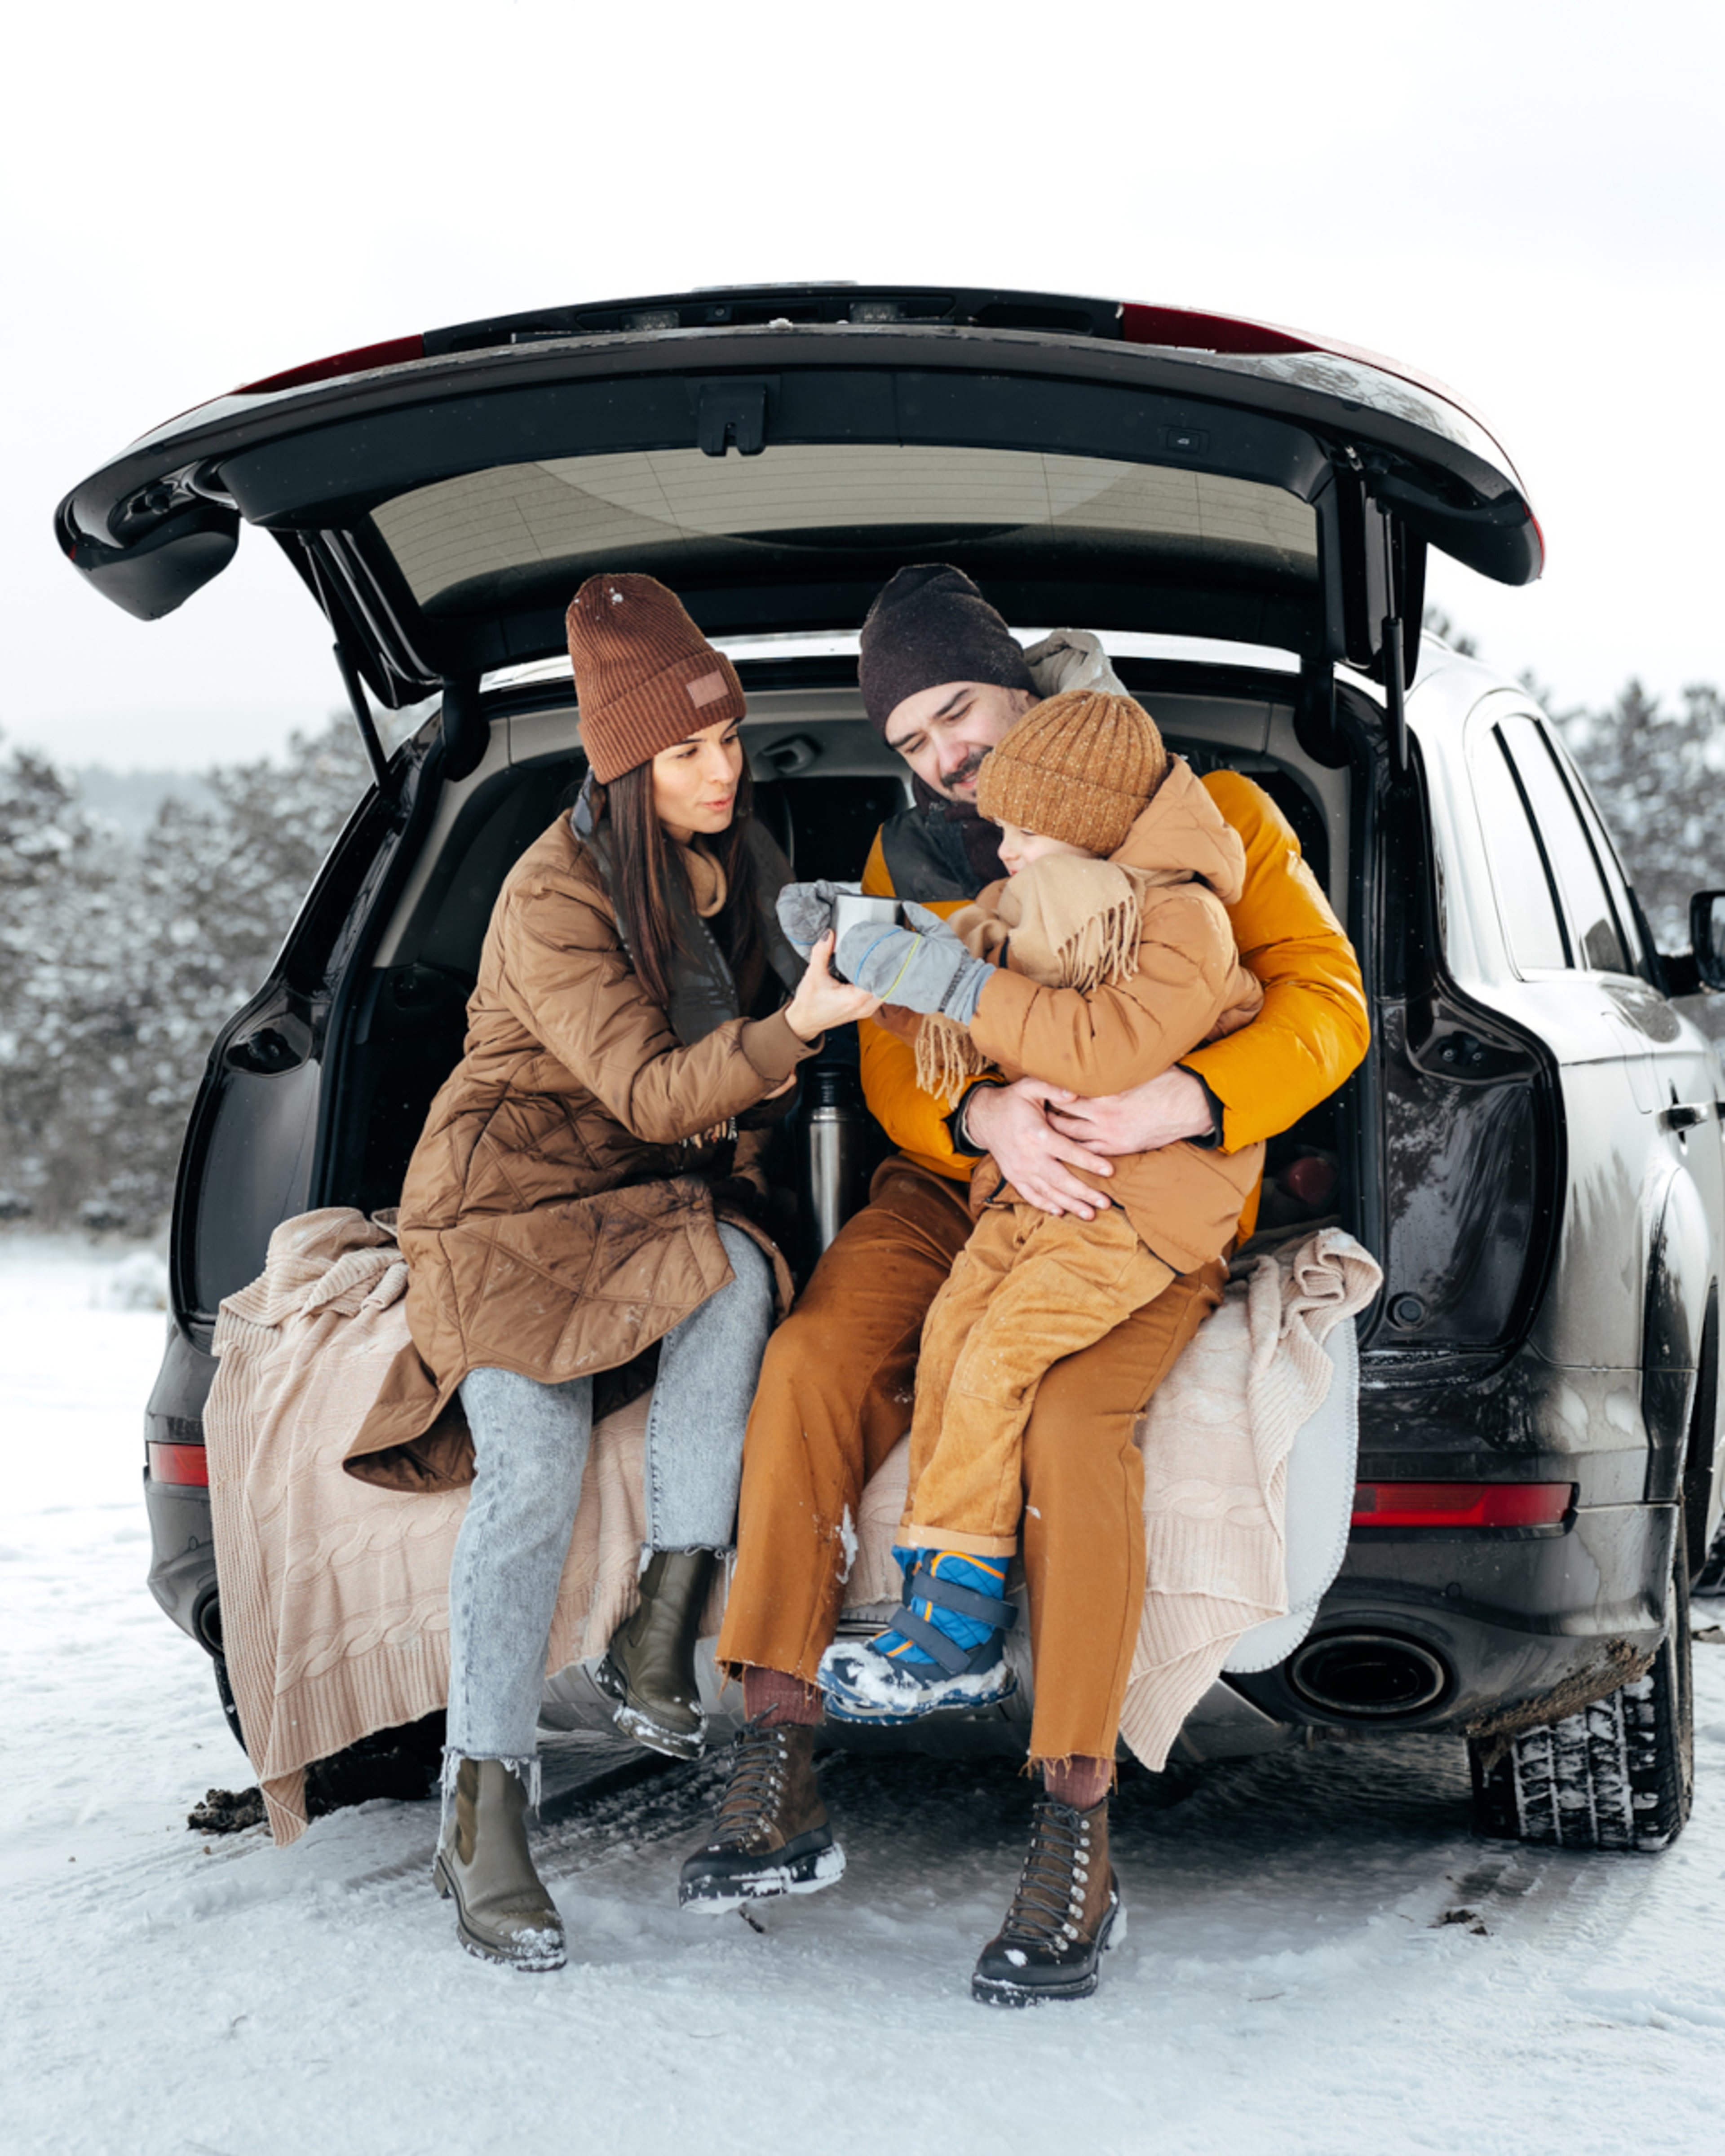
[(1064, 1917), (502, 1910), (771, 1835), (648, 1667)]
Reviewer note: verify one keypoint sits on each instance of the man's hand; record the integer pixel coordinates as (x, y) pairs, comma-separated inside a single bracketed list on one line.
[(1036, 1159), (1160, 1113)]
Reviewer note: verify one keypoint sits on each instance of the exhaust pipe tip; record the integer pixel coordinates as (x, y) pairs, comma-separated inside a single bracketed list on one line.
[(206, 1622), (1371, 1676)]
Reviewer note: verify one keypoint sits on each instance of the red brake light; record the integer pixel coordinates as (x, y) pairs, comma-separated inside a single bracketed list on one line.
[(1184, 325), (1461, 1504), (187, 1465), (390, 353)]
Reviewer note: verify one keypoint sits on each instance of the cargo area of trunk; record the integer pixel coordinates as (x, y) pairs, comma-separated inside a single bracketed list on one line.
[(823, 783)]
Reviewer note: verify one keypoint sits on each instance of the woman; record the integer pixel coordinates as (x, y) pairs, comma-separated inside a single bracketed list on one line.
[(586, 1186)]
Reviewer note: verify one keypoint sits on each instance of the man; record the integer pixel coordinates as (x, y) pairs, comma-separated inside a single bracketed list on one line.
[(944, 680)]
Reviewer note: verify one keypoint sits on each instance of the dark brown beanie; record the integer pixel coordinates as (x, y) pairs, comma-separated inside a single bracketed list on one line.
[(929, 625), (645, 677), (1080, 768)]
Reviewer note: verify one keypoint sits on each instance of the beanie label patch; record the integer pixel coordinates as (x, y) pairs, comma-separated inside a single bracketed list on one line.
[(708, 690)]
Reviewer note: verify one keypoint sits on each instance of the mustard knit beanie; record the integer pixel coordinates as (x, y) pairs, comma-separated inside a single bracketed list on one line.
[(645, 677), (1080, 768)]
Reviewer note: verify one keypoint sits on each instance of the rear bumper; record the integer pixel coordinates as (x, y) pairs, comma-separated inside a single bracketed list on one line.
[(182, 1557), (1527, 1626)]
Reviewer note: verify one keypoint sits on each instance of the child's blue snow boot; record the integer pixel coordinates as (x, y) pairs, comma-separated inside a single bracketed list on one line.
[(944, 1650)]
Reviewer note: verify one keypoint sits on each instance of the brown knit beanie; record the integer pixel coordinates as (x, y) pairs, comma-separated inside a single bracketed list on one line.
[(1080, 768), (645, 677), (931, 625)]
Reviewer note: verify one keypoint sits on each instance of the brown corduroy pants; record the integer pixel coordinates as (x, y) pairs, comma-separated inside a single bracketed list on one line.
[(835, 1396)]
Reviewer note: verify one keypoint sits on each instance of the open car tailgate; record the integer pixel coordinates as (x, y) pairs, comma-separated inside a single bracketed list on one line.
[(776, 456)]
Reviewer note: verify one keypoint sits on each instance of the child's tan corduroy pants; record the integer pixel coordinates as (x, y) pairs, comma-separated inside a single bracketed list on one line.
[(1029, 1289)]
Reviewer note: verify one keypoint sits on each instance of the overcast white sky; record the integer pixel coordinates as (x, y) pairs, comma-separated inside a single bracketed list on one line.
[(1522, 197)]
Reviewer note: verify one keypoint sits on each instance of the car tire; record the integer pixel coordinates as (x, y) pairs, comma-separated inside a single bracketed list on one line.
[(1618, 1774), (404, 1763), (224, 1693)]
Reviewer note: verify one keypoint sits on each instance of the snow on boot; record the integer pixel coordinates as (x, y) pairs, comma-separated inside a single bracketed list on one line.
[(942, 1653), (771, 1835), (502, 1910), (1064, 1917), (648, 1667)]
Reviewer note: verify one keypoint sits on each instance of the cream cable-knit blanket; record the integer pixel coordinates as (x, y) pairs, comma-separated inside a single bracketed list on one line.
[(1216, 1440), (335, 1592)]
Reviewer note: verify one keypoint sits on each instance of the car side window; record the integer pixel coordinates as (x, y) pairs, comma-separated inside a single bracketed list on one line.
[(1592, 919), (1533, 928), (1617, 882)]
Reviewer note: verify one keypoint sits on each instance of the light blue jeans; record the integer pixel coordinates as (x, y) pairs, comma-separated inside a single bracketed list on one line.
[(530, 1444)]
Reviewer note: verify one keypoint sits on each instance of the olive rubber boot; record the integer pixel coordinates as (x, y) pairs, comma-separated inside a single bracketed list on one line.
[(502, 1911), (771, 1835), (648, 1667), (1064, 1917)]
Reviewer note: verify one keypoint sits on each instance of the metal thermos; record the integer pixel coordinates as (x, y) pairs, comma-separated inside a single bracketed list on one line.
[(831, 1181)]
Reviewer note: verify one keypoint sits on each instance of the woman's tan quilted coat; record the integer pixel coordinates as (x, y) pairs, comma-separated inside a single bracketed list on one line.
[(558, 1215)]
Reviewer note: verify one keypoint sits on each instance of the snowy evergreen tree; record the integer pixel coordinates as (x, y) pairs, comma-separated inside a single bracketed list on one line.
[(1659, 779), (119, 963), (45, 847)]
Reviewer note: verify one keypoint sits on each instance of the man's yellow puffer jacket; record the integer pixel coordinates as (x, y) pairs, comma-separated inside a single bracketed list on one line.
[(1310, 1033)]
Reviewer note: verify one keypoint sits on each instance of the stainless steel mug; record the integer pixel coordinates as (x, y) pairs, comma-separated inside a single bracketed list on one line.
[(852, 911)]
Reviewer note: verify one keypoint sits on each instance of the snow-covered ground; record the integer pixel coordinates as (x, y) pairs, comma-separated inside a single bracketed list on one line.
[(1287, 1985)]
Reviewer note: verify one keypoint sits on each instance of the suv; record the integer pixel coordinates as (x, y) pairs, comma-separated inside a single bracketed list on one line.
[(1532, 1146)]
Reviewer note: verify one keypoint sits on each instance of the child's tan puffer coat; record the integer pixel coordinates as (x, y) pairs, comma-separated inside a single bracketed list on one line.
[(1184, 1202)]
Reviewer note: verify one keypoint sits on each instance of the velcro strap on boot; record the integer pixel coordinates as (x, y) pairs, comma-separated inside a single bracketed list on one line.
[(923, 1585), (956, 1661)]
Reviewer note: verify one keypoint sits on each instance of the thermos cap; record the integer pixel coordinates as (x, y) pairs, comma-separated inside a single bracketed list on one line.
[(831, 1085)]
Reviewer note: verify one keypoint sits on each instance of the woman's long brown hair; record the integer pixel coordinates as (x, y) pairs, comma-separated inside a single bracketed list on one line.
[(644, 863)]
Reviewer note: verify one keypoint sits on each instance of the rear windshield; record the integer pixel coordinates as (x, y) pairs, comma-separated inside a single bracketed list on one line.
[(464, 543)]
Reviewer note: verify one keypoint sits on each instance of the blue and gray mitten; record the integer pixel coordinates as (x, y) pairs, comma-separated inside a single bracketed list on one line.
[(805, 911), (923, 966)]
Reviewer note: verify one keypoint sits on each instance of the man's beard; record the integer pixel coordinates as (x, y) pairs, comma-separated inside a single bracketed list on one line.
[(964, 772)]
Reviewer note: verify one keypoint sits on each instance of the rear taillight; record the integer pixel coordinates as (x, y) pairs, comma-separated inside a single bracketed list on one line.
[(187, 1465), (390, 353), (1461, 1504)]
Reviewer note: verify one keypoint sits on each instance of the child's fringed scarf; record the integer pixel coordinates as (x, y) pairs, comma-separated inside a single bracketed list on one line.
[(1066, 921)]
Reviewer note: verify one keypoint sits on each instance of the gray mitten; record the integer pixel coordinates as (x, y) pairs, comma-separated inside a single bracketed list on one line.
[(924, 970), (805, 911)]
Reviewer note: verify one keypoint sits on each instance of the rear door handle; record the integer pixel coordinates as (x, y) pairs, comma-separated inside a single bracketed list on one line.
[(1685, 1115)]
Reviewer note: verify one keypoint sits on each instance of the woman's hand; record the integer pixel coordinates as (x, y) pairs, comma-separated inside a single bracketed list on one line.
[(821, 1001)]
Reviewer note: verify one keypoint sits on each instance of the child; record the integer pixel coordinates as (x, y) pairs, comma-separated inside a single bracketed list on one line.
[(1104, 956)]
